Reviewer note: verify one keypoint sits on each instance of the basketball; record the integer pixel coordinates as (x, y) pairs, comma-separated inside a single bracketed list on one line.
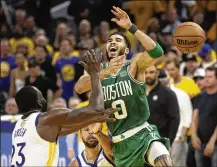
[(189, 37)]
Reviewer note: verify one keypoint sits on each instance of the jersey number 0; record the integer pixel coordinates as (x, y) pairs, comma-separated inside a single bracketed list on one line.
[(120, 103)]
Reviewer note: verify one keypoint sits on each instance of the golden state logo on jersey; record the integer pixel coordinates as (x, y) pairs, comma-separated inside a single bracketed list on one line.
[(68, 72), (5, 69)]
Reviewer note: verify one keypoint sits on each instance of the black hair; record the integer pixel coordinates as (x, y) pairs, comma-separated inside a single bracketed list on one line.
[(212, 68), (127, 41), (27, 99)]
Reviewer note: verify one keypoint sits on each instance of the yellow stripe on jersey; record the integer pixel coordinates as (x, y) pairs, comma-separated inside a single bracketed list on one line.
[(52, 151)]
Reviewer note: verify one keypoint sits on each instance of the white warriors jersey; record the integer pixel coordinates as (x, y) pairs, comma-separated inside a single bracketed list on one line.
[(101, 161), (28, 148)]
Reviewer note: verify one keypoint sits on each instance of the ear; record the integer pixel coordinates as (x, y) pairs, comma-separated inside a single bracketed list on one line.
[(127, 50), (39, 104), (158, 73)]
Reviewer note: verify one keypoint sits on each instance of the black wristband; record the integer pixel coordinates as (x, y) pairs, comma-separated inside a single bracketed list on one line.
[(133, 29)]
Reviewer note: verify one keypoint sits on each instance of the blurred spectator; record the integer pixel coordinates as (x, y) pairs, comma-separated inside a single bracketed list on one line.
[(5, 31), (182, 82), (59, 103), (173, 20), (204, 125), (43, 41), (30, 27), (47, 69), (61, 33), (20, 16), (163, 105), (66, 50), (84, 31), (3, 99), (22, 48), (179, 146), (167, 40), (144, 10), (208, 56), (198, 18), (190, 66), (7, 63), (199, 76), (18, 75), (42, 83), (73, 102), (11, 107), (66, 67)]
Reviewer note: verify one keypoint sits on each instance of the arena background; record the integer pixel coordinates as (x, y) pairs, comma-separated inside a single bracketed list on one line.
[(150, 16)]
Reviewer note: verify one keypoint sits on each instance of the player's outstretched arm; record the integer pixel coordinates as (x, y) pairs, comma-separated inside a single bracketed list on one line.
[(94, 111), (153, 49), (84, 83)]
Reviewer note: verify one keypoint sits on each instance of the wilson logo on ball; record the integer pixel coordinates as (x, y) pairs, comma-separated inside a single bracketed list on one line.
[(186, 42)]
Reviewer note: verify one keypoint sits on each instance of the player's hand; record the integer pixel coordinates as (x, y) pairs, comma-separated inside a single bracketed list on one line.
[(97, 128), (196, 143), (209, 149), (122, 19), (116, 63), (90, 63), (103, 116)]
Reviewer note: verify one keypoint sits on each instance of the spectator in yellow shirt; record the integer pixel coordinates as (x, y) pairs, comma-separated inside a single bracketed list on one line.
[(182, 82)]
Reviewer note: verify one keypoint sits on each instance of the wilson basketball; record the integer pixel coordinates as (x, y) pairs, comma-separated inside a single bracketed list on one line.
[(189, 37)]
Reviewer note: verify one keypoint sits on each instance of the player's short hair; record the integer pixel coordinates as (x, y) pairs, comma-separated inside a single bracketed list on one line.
[(212, 68), (127, 41), (27, 99)]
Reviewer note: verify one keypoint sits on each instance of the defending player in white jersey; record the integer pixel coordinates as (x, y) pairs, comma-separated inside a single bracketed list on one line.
[(34, 139), (98, 148)]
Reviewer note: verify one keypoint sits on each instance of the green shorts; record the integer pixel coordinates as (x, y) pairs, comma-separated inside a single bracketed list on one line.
[(131, 151)]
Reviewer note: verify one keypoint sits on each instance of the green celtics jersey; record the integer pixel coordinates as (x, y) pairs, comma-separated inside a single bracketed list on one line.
[(122, 91)]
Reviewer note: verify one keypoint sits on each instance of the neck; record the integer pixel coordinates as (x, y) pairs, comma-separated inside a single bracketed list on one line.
[(151, 87), (92, 153), (177, 79), (21, 67), (212, 90)]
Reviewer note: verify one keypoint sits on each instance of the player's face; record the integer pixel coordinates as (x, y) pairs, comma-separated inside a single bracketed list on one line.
[(87, 136), (116, 46), (210, 79), (172, 70), (151, 75)]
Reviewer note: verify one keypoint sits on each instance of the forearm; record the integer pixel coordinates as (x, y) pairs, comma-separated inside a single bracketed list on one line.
[(84, 83), (96, 97), (105, 142), (194, 124), (64, 116), (145, 40), (214, 136), (66, 130)]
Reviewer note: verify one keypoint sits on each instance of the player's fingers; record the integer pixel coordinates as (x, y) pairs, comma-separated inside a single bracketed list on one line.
[(112, 110), (93, 55), (115, 13), (83, 64), (110, 120), (114, 20), (90, 57), (117, 10)]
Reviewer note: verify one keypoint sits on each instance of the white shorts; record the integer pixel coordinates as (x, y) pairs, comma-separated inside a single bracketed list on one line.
[(155, 150)]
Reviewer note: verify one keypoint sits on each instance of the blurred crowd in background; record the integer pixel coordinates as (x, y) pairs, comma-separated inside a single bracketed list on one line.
[(39, 50)]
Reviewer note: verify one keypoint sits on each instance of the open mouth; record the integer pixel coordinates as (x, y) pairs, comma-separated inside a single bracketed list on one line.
[(113, 49)]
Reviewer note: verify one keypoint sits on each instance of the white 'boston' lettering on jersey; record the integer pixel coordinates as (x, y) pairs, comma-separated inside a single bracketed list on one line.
[(113, 91)]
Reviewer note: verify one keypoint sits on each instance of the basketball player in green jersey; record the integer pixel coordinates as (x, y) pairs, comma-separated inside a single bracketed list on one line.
[(135, 141)]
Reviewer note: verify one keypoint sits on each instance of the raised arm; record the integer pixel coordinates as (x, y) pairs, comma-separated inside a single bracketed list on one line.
[(153, 49), (93, 112)]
